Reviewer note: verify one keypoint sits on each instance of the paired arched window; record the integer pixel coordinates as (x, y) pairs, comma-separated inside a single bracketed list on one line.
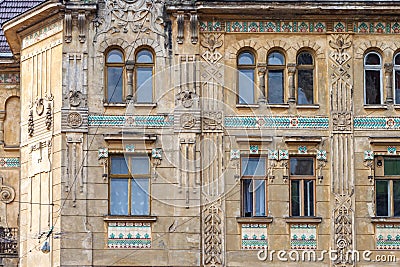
[(373, 79), (396, 74), (305, 78), (144, 69), (114, 76), (246, 66), (275, 84)]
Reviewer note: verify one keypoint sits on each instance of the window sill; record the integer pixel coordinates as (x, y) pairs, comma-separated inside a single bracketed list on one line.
[(303, 219), (111, 105), (247, 105), (375, 106), (278, 105), (145, 105), (385, 219), (119, 218), (254, 219), (316, 106), (11, 148)]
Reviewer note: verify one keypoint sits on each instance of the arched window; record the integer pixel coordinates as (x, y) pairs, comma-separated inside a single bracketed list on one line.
[(246, 70), (396, 74), (276, 67), (305, 78), (144, 76), (373, 78), (114, 76)]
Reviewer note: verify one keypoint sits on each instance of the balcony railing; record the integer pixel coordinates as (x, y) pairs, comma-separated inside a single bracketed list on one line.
[(8, 241)]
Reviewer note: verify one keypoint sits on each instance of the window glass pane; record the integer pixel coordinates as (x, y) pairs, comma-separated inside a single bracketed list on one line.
[(246, 58), (140, 165), (246, 86), (397, 59), (144, 81), (308, 198), (304, 58), (301, 166), (260, 197), (253, 166), (275, 86), (382, 198), (115, 56), (305, 84), (144, 56), (118, 165), (295, 193), (373, 86), (114, 86), (372, 59), (392, 166), (397, 86), (396, 197), (276, 58), (140, 197), (119, 197), (247, 198)]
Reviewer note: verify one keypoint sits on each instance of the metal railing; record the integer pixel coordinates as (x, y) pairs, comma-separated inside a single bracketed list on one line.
[(8, 241)]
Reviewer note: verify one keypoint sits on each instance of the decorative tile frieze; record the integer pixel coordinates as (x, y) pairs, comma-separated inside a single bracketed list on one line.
[(302, 150), (303, 236), (387, 236), (102, 153), (254, 236), (130, 148), (273, 154), (156, 153), (377, 123), (321, 154), (283, 154), (392, 150), (283, 122), (129, 235), (9, 163), (235, 154), (254, 149), (9, 78), (368, 155), (131, 121), (42, 34)]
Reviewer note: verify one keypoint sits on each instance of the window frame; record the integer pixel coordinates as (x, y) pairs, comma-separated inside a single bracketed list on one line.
[(114, 65), (389, 179), (305, 67), (240, 67), (144, 65), (252, 178), (373, 67), (130, 178), (271, 67), (395, 68), (303, 178)]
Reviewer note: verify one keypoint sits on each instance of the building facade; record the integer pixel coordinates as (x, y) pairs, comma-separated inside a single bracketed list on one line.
[(202, 133)]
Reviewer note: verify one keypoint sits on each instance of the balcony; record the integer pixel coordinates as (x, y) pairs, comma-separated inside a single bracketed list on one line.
[(8, 242)]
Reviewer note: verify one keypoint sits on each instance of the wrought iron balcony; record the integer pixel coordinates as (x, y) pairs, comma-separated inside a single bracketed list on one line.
[(8, 241)]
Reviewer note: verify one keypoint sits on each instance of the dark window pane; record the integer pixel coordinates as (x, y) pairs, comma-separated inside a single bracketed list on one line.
[(140, 197), (397, 59), (305, 82), (144, 56), (372, 59), (246, 58), (392, 166), (119, 197), (118, 165), (260, 197), (396, 197), (247, 198), (115, 56), (275, 86), (301, 166), (144, 81), (295, 193), (373, 86), (276, 58), (140, 165), (114, 86), (308, 198), (246, 86), (253, 166), (304, 58), (382, 198), (397, 86)]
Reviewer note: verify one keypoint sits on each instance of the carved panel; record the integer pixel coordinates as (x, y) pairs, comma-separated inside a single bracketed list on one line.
[(74, 164), (213, 249)]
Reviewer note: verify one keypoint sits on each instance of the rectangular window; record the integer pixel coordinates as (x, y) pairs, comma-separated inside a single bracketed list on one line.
[(302, 186), (397, 87), (373, 86), (387, 187), (275, 87), (305, 85), (246, 86), (144, 80), (129, 185), (253, 170), (115, 82)]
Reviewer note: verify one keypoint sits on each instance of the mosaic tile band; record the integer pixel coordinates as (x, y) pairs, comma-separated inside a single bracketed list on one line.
[(131, 121), (388, 236), (9, 163), (254, 236), (276, 122), (9, 78), (129, 235), (303, 236)]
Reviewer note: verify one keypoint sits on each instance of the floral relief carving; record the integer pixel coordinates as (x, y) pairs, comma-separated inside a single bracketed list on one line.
[(211, 42), (341, 121), (213, 236)]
